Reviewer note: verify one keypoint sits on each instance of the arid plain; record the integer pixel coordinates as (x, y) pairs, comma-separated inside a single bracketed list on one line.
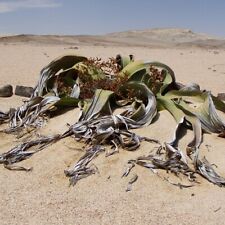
[(44, 196)]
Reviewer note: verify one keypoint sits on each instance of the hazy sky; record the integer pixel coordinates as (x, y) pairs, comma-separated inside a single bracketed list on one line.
[(105, 16)]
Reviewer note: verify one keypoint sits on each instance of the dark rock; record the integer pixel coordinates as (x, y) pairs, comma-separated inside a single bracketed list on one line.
[(6, 91), (24, 91), (73, 47), (215, 52), (221, 96)]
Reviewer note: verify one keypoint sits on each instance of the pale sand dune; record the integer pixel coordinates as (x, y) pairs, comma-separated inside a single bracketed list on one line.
[(43, 195)]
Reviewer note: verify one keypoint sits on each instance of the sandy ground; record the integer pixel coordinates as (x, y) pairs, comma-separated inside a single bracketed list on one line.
[(43, 196)]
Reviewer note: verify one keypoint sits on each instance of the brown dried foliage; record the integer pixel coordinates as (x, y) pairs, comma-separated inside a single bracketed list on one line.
[(109, 67), (156, 78), (63, 89), (112, 81)]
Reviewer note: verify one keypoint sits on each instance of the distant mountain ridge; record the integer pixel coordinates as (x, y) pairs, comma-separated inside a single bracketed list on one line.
[(167, 37)]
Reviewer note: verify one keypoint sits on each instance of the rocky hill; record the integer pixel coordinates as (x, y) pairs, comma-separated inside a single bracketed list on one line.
[(168, 37)]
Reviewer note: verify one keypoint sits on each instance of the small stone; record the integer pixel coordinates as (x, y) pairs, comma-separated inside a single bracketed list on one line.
[(6, 91), (73, 47), (24, 91), (216, 52)]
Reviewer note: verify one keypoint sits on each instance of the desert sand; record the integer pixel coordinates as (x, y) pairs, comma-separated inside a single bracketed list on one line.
[(43, 196)]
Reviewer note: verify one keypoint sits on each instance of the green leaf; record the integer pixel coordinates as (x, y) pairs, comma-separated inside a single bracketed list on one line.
[(63, 63), (60, 64), (206, 113), (187, 95), (166, 103), (68, 102), (145, 107), (220, 105), (99, 105), (132, 68)]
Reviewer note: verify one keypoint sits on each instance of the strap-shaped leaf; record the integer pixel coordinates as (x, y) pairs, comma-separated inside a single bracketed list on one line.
[(146, 111), (132, 68), (170, 106), (67, 102), (140, 71), (3, 116), (99, 105), (204, 168), (62, 63), (28, 114), (206, 113)]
